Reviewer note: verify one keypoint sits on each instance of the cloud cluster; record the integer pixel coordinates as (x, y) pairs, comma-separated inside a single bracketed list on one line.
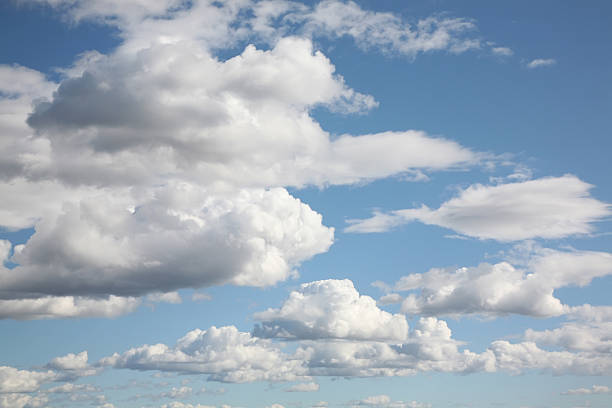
[(163, 166), (224, 353), (331, 309), (502, 289), (553, 207)]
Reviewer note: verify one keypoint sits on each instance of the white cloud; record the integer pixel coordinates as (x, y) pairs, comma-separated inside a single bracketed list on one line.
[(224, 353), (251, 237), (387, 32), (502, 288), (303, 387), (53, 307), (13, 380), (553, 207), (72, 362), (170, 21), (169, 297), (331, 309), (541, 62), (502, 51), (595, 389), (527, 356), (176, 393), (72, 388), (19, 400)]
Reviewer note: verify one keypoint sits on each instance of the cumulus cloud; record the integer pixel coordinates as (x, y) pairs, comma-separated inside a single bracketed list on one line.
[(224, 353), (330, 309), (20, 400), (180, 237), (500, 289), (553, 207), (13, 380), (541, 62)]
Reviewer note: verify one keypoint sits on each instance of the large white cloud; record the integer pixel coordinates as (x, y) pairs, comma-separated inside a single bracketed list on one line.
[(181, 237), (500, 289), (553, 207), (331, 309)]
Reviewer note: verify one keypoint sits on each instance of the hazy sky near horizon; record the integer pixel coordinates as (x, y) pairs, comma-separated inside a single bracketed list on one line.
[(278, 204)]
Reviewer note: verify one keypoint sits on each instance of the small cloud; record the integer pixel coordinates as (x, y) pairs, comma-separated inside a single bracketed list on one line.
[(595, 389), (169, 297), (541, 62), (304, 387), (199, 297), (502, 51)]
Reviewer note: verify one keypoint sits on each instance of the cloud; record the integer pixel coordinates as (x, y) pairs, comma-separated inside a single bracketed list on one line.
[(553, 207), (19, 400), (387, 32), (246, 238), (384, 401), (330, 309), (303, 387), (541, 62), (13, 380), (595, 389), (501, 289), (527, 357), (169, 297), (502, 51), (171, 21), (54, 307), (198, 297), (224, 353)]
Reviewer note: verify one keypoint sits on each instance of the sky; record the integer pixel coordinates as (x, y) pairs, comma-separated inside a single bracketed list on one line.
[(284, 204)]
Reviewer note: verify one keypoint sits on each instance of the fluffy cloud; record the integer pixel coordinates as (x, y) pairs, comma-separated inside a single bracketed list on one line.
[(108, 245), (527, 356), (19, 400), (553, 207), (541, 62), (13, 380), (224, 353), (502, 288), (331, 309)]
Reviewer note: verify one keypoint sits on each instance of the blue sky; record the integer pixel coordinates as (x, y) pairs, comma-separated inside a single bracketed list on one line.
[(279, 204)]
